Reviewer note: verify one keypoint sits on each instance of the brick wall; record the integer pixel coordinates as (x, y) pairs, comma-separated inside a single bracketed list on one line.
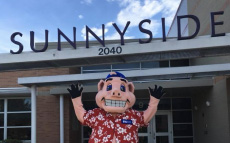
[(10, 78), (48, 119), (48, 106)]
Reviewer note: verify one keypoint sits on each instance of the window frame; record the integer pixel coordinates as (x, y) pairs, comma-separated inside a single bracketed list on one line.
[(5, 112)]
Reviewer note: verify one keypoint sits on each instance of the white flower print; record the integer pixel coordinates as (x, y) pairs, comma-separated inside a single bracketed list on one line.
[(111, 124), (121, 130), (108, 136), (96, 123), (95, 140), (127, 137), (134, 121), (105, 127), (117, 140), (90, 112), (99, 131), (93, 119), (128, 126), (105, 139), (100, 117), (105, 123)]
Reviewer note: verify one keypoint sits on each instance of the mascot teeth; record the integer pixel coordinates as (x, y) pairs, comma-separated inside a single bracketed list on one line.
[(115, 103)]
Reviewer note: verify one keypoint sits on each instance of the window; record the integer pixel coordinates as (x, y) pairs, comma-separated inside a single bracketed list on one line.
[(141, 104), (135, 66), (154, 64), (182, 120), (181, 103), (96, 69), (15, 119), (124, 67), (165, 104), (179, 63), (86, 133)]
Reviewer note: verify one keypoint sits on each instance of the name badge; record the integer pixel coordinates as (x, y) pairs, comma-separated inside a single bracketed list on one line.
[(124, 121)]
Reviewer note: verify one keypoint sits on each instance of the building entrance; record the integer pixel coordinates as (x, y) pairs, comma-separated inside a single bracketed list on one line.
[(173, 122), (159, 129)]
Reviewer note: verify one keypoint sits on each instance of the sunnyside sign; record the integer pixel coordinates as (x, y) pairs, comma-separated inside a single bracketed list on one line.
[(121, 33)]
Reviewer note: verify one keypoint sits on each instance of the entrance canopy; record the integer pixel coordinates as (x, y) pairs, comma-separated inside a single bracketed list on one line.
[(134, 75)]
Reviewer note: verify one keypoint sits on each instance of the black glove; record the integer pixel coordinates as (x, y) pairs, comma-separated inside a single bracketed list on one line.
[(157, 92), (74, 91)]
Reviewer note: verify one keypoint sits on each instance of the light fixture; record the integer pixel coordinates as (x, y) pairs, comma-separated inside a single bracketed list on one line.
[(207, 103), (196, 108)]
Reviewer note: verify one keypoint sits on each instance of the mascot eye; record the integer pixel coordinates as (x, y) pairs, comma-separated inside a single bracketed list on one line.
[(123, 88), (109, 87)]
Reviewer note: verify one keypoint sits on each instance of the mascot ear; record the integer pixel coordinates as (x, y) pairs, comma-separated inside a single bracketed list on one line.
[(131, 87), (100, 85)]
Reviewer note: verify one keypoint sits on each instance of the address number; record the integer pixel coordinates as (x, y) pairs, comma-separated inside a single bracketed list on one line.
[(109, 51)]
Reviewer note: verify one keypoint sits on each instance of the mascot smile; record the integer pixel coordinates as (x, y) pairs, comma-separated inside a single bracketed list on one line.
[(115, 121)]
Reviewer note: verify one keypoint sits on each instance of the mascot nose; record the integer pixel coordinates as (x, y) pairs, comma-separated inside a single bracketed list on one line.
[(116, 93)]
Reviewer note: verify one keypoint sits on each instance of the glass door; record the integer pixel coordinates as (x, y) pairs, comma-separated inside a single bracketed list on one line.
[(143, 134), (160, 129)]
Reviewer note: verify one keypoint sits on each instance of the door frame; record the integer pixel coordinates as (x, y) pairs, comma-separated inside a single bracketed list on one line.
[(152, 128)]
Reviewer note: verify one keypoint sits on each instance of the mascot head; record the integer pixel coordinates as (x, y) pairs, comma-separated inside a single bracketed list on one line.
[(115, 93)]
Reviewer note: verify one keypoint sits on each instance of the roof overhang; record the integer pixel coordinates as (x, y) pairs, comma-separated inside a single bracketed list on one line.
[(143, 86), (15, 91), (201, 46), (134, 75)]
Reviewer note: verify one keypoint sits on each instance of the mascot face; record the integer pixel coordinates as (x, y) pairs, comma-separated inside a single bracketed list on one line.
[(115, 94)]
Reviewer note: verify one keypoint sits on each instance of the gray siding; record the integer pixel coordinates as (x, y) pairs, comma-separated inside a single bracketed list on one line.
[(211, 124), (210, 60), (202, 9), (228, 96)]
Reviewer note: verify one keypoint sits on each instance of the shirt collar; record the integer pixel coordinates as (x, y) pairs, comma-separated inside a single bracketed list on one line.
[(119, 114)]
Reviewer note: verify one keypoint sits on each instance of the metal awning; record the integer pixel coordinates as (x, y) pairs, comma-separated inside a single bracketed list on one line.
[(14, 91), (143, 86), (134, 75), (132, 51)]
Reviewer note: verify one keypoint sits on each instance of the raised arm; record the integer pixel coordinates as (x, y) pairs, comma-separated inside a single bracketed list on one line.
[(76, 94), (155, 96)]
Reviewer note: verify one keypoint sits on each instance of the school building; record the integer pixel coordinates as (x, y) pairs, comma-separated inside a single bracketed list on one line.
[(35, 106)]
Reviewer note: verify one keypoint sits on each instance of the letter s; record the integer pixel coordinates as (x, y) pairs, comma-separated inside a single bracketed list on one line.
[(145, 31), (16, 42)]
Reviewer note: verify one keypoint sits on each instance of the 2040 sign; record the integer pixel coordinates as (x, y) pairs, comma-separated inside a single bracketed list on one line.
[(110, 51)]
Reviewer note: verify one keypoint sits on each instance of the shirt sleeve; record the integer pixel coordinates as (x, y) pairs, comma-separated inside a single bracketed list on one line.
[(89, 118), (140, 119)]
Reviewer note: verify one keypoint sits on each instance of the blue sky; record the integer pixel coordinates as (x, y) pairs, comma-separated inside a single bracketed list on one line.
[(38, 15)]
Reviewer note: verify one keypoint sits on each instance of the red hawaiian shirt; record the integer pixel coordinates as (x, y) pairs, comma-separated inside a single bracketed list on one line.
[(104, 126)]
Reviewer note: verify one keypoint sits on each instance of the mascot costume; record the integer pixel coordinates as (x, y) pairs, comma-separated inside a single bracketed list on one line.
[(115, 121)]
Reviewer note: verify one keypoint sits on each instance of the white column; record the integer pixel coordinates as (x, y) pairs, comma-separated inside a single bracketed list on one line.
[(33, 114), (61, 119), (5, 119)]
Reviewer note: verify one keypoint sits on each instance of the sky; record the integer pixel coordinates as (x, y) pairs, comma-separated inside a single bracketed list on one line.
[(39, 15)]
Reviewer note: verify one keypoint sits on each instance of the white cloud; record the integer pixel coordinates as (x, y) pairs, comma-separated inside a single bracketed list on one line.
[(154, 27), (6, 45), (97, 31), (116, 36), (86, 1), (169, 10), (109, 24), (80, 16), (135, 11)]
